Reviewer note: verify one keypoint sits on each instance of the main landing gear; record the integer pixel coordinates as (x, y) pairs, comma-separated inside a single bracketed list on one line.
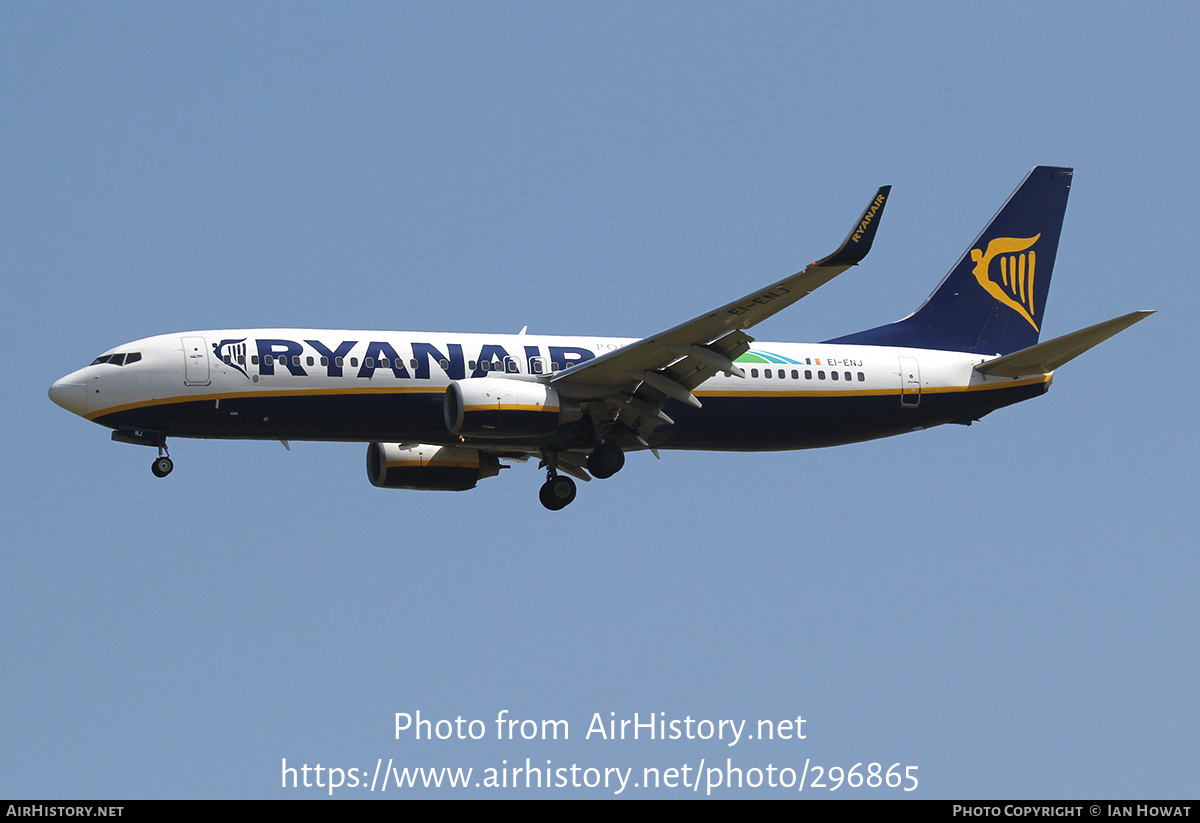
[(605, 460), (557, 492)]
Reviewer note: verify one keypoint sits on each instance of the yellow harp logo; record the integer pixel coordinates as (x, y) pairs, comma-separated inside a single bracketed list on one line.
[(1015, 285)]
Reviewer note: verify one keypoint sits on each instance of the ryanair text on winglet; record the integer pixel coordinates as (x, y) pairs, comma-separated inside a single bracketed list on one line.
[(867, 218)]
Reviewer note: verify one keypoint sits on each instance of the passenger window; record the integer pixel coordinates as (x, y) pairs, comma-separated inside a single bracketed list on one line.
[(808, 374), (833, 375), (861, 377), (754, 372), (413, 363), (295, 360), (555, 366), (847, 375), (766, 372), (228, 360), (369, 362), (254, 360), (340, 361), (471, 365), (795, 374), (485, 365), (384, 363), (324, 361), (268, 360), (444, 363), (309, 360), (820, 375), (354, 362)]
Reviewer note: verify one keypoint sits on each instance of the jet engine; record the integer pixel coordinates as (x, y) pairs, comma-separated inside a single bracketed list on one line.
[(432, 468), (498, 407)]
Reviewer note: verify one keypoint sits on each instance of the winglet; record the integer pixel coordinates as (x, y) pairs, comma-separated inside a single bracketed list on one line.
[(858, 242)]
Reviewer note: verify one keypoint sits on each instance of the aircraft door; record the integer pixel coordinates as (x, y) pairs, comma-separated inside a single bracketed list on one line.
[(195, 362), (910, 382)]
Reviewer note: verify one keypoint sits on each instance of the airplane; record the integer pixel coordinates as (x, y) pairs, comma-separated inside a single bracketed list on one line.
[(441, 411)]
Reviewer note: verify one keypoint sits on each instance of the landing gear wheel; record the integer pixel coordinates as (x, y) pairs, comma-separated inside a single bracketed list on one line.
[(605, 460), (162, 466), (557, 492)]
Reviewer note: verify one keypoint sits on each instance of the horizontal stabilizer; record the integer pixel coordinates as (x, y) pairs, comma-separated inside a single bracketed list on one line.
[(1046, 357)]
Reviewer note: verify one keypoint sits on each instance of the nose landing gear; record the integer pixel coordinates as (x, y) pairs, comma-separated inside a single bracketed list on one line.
[(162, 465)]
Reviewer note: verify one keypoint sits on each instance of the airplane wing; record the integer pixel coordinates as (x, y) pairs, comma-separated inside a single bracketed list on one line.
[(635, 381)]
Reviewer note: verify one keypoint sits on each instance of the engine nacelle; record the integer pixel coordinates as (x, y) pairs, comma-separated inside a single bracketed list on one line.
[(432, 468), (497, 407)]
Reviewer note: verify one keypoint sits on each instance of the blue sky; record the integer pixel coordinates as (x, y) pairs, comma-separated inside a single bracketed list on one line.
[(1010, 607)]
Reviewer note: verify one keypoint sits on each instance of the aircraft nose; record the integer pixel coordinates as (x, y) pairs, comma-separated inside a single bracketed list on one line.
[(69, 392)]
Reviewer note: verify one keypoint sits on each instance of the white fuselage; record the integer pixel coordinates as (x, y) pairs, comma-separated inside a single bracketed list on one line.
[(322, 384)]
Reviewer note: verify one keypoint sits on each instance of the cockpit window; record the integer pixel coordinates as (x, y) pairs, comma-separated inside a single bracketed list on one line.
[(118, 359)]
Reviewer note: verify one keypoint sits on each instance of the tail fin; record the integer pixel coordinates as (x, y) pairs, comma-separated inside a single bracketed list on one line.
[(993, 300)]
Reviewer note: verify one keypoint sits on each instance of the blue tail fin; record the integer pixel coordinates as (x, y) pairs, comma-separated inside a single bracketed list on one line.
[(993, 300)]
